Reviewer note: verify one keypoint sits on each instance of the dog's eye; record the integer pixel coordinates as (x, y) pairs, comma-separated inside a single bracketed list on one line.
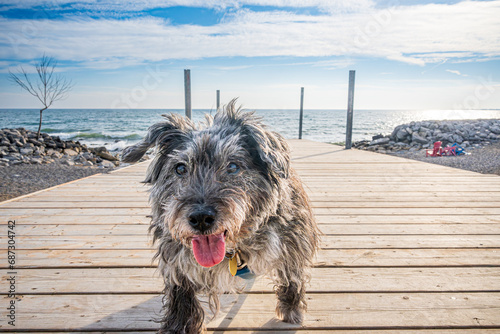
[(233, 168), (180, 169)]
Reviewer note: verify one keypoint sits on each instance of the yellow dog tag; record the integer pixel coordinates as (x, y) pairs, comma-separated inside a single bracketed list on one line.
[(233, 265)]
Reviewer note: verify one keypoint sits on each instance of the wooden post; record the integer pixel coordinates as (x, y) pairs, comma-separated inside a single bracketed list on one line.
[(187, 92), (218, 99), (350, 106), (301, 111)]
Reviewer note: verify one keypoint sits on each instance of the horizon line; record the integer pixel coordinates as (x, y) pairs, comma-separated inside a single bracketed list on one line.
[(257, 109)]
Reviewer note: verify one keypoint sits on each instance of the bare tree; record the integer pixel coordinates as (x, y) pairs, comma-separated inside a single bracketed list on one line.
[(48, 87)]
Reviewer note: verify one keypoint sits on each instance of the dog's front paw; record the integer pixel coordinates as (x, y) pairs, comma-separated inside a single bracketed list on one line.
[(291, 302), (165, 330), (292, 316), (175, 330)]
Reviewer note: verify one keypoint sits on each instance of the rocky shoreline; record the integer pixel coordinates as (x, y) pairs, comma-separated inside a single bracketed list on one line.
[(479, 138), (21, 146), (484, 159), (29, 163), (415, 136)]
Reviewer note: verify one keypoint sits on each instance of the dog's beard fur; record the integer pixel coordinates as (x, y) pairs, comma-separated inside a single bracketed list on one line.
[(261, 209)]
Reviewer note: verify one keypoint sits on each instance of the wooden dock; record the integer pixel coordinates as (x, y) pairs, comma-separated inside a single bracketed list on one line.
[(408, 247)]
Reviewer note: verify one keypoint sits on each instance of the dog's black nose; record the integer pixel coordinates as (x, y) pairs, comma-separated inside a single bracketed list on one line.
[(203, 219)]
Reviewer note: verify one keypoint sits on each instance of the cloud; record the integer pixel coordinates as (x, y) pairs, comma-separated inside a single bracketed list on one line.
[(457, 73), (232, 68), (418, 35), (126, 5)]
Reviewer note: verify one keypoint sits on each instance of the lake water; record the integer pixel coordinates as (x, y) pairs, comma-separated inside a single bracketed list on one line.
[(117, 128)]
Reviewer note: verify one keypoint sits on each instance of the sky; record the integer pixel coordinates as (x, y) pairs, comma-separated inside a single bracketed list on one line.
[(412, 55)]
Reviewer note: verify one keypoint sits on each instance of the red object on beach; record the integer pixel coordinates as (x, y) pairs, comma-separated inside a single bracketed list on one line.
[(449, 150), (436, 152)]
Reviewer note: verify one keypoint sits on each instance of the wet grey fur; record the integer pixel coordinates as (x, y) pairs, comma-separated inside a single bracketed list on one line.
[(260, 205)]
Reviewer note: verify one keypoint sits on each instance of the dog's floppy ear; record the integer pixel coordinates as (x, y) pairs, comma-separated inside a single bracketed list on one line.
[(268, 149), (163, 134), (271, 148)]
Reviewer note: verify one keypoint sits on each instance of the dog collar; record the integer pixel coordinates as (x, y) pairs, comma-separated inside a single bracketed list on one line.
[(237, 266)]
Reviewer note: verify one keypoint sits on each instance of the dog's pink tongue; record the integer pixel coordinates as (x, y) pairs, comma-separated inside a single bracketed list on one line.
[(209, 250)]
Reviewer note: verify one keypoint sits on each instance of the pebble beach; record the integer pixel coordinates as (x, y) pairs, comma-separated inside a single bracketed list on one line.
[(479, 138), (24, 178), (484, 160), (29, 163)]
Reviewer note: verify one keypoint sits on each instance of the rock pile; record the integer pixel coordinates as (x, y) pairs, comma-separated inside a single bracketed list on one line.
[(21, 146), (422, 135)]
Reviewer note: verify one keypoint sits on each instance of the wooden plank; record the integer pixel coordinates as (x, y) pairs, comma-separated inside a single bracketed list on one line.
[(404, 205), (352, 218), (326, 311), (143, 204), (353, 192), (329, 175), (331, 258), (467, 185), (80, 258), (130, 189), (360, 197), (83, 242), (316, 204), (332, 229), (334, 186), (330, 331), (423, 230), (409, 257), (361, 331), (382, 188), (74, 220), (411, 241), (430, 195), (143, 241), (407, 211), (147, 280), (14, 213), (411, 170), (325, 162), (88, 230), (93, 198)]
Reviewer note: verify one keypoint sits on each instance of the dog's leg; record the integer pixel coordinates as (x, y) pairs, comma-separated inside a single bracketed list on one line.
[(291, 293), (183, 312)]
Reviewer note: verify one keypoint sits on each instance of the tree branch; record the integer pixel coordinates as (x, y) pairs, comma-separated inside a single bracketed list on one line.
[(49, 87)]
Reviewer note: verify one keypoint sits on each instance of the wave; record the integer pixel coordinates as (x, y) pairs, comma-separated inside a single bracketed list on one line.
[(112, 147), (115, 142), (133, 136), (99, 135), (112, 141), (68, 131), (90, 135)]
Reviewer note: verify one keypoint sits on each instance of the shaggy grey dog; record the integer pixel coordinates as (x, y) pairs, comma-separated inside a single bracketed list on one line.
[(224, 191)]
